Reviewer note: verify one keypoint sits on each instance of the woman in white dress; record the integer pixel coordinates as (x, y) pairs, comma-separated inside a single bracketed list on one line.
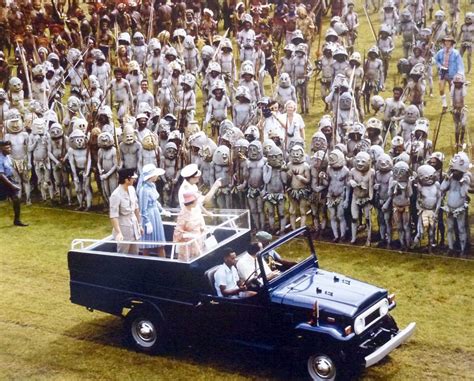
[(293, 122)]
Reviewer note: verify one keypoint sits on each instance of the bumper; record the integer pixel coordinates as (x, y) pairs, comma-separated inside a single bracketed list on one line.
[(390, 345)]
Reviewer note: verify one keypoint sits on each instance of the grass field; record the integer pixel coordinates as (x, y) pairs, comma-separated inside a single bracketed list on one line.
[(44, 336)]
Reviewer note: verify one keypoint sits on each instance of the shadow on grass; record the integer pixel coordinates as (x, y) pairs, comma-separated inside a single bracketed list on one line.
[(106, 331), (222, 357)]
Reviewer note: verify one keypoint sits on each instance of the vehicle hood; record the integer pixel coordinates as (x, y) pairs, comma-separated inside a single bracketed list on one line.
[(336, 294)]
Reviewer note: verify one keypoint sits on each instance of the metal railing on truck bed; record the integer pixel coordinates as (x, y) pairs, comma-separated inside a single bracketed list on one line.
[(222, 227)]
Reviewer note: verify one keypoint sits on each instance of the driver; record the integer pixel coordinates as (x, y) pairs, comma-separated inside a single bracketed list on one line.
[(249, 269), (226, 278)]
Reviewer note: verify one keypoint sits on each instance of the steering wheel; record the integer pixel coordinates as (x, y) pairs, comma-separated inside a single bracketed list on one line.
[(252, 281)]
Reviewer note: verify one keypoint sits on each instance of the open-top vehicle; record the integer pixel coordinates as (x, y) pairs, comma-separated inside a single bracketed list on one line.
[(332, 321)]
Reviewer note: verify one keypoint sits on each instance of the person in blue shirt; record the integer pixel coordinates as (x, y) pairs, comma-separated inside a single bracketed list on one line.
[(8, 186), (449, 63)]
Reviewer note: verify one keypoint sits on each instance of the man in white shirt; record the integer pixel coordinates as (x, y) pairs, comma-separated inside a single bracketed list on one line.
[(226, 278), (248, 267)]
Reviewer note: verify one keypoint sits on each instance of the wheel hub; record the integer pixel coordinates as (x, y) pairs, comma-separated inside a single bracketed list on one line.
[(321, 367), (324, 367), (146, 331)]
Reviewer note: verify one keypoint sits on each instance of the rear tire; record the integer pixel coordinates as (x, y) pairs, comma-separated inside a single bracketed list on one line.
[(145, 330)]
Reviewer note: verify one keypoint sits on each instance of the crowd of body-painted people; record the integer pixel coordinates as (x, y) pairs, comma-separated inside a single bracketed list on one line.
[(88, 89)]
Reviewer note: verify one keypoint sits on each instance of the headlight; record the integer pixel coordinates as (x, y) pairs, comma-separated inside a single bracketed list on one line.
[(359, 325), (384, 308)]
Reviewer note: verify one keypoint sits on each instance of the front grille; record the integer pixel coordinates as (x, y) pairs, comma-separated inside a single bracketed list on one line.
[(373, 316)]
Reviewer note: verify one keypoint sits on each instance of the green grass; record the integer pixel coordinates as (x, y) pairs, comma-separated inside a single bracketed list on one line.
[(44, 336)]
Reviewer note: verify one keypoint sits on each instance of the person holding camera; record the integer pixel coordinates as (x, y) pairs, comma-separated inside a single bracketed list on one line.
[(449, 63)]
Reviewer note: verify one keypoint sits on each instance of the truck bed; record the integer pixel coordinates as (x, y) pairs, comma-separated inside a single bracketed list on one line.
[(104, 280)]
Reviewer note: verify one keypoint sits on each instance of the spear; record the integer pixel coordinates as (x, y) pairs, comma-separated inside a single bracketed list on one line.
[(362, 91), (116, 42), (63, 81), (116, 143), (219, 46), (25, 68), (316, 76), (353, 103), (318, 53), (438, 127), (386, 134), (469, 145), (35, 52), (79, 75), (371, 25), (335, 120), (150, 26)]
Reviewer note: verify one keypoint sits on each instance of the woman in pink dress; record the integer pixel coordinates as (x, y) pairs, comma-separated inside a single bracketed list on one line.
[(190, 227)]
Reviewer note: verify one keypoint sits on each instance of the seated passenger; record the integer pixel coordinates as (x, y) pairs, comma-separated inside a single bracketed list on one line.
[(249, 269), (275, 260), (226, 278)]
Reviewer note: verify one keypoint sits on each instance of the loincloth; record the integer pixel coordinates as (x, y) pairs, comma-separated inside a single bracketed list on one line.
[(455, 212), (299, 194), (274, 198), (253, 192), (224, 190), (300, 81), (21, 166), (361, 202), (333, 202), (41, 165), (401, 209), (427, 217)]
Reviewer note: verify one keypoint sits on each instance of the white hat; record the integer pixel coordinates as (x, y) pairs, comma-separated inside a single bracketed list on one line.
[(150, 170), (191, 170)]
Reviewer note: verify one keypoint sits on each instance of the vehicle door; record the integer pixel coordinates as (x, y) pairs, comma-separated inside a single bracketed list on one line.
[(234, 317)]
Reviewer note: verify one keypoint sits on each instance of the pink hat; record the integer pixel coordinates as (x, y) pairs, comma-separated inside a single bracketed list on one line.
[(189, 197)]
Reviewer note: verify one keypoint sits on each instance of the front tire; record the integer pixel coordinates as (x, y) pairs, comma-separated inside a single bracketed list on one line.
[(322, 367), (145, 331)]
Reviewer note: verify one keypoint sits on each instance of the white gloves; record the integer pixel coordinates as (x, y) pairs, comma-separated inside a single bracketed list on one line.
[(166, 213), (148, 228)]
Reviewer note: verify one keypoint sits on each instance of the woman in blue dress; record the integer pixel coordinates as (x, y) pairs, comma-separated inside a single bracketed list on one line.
[(151, 210)]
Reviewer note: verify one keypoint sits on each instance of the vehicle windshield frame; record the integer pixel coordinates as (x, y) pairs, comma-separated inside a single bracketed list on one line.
[(300, 232)]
